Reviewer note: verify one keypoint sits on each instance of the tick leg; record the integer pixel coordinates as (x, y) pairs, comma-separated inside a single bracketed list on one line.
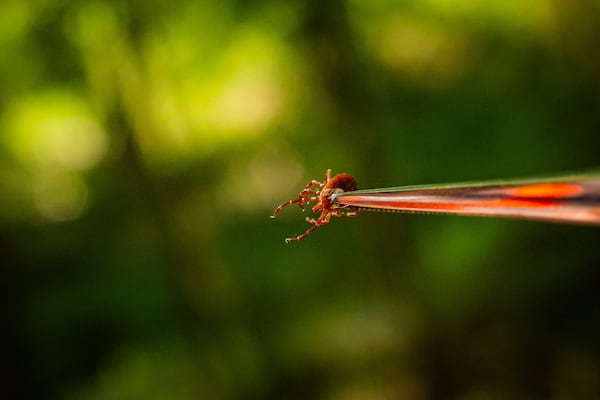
[(322, 220), (344, 211), (281, 206), (313, 221), (300, 201), (309, 194), (312, 187), (305, 234), (314, 182)]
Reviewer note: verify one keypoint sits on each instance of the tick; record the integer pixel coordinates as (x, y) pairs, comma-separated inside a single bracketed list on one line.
[(322, 192)]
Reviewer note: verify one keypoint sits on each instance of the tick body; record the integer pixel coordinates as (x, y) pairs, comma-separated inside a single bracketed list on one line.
[(321, 193)]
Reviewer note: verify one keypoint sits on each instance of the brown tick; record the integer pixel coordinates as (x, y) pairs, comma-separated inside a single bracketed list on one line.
[(321, 192)]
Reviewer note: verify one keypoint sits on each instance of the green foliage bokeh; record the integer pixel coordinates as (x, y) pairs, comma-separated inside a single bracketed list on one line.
[(143, 146)]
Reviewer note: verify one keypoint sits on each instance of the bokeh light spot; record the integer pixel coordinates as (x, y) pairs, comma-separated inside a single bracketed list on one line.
[(60, 197), (55, 130)]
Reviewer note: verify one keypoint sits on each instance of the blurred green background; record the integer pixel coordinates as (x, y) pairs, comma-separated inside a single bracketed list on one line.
[(144, 144)]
